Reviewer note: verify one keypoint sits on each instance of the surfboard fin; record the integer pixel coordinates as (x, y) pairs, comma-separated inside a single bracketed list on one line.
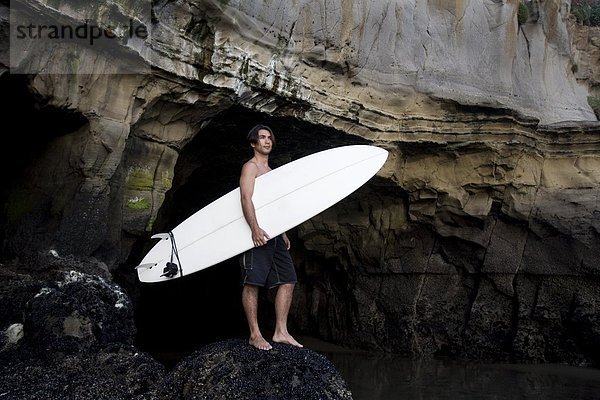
[(148, 266), (163, 236), (171, 269)]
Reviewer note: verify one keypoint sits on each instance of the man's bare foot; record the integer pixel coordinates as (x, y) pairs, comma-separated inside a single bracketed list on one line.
[(260, 343), (286, 339)]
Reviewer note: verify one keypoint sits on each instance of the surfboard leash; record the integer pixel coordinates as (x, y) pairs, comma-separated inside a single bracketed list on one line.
[(171, 269)]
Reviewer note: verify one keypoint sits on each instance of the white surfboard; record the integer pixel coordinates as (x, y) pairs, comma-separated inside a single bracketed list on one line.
[(283, 198)]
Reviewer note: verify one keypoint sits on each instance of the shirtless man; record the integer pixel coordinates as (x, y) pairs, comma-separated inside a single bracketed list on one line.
[(268, 264)]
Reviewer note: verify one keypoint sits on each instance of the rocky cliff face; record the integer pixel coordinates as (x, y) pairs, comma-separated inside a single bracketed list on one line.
[(480, 235)]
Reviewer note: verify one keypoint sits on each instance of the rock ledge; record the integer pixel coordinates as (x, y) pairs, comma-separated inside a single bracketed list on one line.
[(232, 369)]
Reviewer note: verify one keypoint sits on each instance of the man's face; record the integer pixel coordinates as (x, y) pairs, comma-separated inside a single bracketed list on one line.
[(264, 143)]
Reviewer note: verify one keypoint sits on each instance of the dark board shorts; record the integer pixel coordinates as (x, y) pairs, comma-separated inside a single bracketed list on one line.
[(269, 265)]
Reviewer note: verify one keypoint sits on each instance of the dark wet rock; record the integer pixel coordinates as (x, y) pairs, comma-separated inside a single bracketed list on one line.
[(112, 373), (79, 312), (67, 332), (233, 369), (65, 310)]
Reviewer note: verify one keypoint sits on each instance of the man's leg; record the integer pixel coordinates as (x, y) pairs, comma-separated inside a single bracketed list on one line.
[(283, 300), (250, 303)]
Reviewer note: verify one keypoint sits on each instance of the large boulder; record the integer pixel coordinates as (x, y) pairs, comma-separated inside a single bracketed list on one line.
[(234, 370)]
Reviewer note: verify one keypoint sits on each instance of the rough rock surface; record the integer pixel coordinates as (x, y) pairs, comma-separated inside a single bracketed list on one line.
[(76, 334), (114, 372), (234, 370), (69, 334), (586, 49)]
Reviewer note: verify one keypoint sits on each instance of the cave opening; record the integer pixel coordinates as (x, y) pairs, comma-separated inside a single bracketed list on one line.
[(31, 126), (176, 317)]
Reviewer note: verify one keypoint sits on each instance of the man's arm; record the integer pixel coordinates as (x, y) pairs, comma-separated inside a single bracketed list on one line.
[(247, 179)]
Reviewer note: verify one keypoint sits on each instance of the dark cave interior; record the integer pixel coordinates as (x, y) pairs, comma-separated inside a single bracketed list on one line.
[(30, 125), (178, 316)]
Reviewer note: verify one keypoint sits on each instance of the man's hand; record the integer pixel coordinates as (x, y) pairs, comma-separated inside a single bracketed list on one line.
[(259, 236)]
